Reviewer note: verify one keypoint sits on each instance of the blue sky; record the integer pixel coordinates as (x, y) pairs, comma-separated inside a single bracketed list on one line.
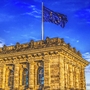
[(20, 21)]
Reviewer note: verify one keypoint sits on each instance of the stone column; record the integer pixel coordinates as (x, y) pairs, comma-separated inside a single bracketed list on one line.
[(31, 75), (76, 78), (21, 76), (62, 81), (1, 76), (82, 79), (66, 75), (7, 77), (71, 76), (46, 73), (36, 73), (16, 76), (4, 77)]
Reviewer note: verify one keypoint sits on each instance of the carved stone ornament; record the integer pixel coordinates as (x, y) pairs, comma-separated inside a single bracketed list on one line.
[(48, 64), (49, 42)]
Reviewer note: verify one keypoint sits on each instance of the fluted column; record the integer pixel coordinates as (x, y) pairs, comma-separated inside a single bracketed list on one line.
[(16, 76), (46, 73), (62, 81)]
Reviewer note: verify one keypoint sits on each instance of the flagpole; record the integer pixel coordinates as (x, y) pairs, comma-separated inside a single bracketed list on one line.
[(42, 24)]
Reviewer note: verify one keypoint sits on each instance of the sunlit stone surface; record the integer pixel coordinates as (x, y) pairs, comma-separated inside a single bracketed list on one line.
[(49, 64)]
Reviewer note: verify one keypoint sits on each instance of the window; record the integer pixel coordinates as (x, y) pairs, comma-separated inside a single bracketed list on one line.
[(11, 78), (25, 77), (40, 76)]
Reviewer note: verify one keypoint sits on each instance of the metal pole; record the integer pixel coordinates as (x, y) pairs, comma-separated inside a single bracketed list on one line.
[(42, 24)]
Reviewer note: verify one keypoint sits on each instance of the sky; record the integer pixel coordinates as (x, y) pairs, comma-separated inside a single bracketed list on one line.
[(21, 21)]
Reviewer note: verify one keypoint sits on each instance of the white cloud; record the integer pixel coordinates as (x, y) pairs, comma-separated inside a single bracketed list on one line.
[(86, 56), (33, 12), (32, 6), (29, 36), (72, 39), (87, 69), (88, 84), (33, 38), (77, 41), (2, 42)]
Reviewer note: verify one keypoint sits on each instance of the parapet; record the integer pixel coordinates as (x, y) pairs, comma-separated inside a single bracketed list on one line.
[(48, 42)]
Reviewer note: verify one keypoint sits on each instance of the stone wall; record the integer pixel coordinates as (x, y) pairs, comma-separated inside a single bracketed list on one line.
[(63, 66)]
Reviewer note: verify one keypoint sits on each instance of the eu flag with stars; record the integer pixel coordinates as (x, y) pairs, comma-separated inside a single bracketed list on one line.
[(54, 17)]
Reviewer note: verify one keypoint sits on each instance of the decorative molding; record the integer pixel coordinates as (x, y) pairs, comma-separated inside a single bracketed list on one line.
[(49, 42)]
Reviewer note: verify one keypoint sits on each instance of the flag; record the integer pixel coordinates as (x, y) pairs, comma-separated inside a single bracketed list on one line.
[(54, 17)]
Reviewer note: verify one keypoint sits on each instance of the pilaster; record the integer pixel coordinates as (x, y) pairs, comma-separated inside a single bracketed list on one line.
[(7, 78), (62, 81), (46, 73), (1, 76), (16, 76), (76, 78), (54, 71), (82, 79), (66, 74), (71, 76), (31, 75), (36, 75), (21, 76)]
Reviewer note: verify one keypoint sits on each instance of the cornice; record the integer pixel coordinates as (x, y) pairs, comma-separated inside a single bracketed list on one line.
[(43, 47), (49, 42)]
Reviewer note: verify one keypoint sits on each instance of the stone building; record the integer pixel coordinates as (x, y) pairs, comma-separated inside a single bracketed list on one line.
[(49, 64)]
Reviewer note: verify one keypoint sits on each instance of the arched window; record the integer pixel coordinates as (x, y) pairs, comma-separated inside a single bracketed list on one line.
[(25, 77), (40, 76), (10, 76), (11, 79)]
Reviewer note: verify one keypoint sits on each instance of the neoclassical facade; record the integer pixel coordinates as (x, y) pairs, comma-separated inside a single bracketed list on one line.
[(49, 64)]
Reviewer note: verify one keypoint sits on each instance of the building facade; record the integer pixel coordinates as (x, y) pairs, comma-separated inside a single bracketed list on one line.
[(49, 64)]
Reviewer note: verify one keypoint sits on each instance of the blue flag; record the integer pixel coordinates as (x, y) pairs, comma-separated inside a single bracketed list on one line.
[(54, 17)]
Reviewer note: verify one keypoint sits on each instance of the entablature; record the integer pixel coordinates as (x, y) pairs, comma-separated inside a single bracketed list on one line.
[(40, 49)]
